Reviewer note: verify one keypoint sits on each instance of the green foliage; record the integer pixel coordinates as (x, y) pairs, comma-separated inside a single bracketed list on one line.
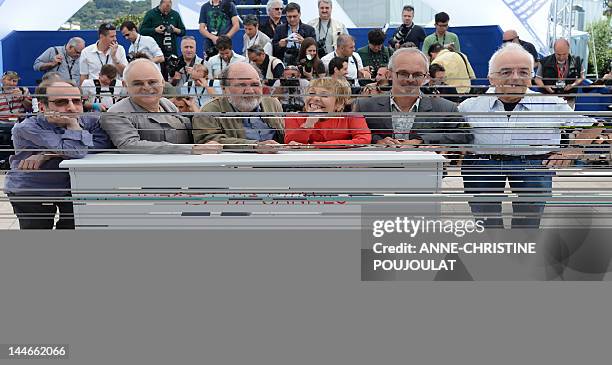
[(601, 35), (137, 19), (97, 12)]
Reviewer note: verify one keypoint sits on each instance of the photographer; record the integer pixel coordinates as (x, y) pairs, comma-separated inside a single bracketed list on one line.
[(408, 31), (164, 25), (290, 90), (104, 52), (375, 54), (326, 28), (289, 37), (140, 43), (271, 67), (310, 64), (225, 57), (180, 68), (346, 48), (217, 18)]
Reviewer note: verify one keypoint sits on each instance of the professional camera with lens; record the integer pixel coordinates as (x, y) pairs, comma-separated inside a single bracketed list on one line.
[(174, 64), (293, 102), (321, 49), (291, 56)]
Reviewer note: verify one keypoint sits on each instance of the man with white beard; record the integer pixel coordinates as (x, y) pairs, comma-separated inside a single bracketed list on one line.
[(238, 119)]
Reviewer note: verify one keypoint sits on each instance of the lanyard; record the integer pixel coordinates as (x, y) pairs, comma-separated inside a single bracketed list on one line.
[(99, 58), (443, 39), (326, 32), (137, 44), (70, 66), (561, 70)]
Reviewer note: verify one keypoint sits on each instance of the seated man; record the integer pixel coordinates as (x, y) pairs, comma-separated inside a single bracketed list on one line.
[(144, 121), (197, 88), (104, 91), (15, 101), (290, 90), (243, 94), (59, 136)]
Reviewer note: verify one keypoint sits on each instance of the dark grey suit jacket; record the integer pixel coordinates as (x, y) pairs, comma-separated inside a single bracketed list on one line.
[(430, 129)]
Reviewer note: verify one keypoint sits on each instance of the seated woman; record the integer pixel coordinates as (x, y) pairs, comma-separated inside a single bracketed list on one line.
[(310, 64), (327, 96)]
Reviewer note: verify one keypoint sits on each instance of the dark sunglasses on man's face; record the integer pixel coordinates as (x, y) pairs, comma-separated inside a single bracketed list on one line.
[(508, 40), (65, 102)]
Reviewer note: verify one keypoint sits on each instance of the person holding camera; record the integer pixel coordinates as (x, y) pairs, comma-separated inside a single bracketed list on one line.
[(289, 37), (164, 25), (217, 18), (140, 43), (326, 28), (254, 37), (561, 73), (408, 31), (375, 54), (62, 59), (310, 64), (225, 57), (103, 92), (180, 68), (290, 90), (104, 52)]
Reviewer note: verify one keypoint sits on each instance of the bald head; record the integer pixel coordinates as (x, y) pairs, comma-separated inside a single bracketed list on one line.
[(561, 49), (239, 71), (510, 36), (141, 65)]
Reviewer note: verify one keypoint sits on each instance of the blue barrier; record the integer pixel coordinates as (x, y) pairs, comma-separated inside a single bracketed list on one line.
[(20, 48)]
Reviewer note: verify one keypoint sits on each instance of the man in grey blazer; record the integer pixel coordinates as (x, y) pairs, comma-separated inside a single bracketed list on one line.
[(145, 122), (401, 118)]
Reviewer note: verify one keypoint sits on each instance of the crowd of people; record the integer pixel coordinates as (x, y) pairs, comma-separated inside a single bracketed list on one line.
[(294, 86)]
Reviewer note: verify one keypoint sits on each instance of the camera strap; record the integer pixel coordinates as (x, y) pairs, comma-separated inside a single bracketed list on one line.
[(326, 31)]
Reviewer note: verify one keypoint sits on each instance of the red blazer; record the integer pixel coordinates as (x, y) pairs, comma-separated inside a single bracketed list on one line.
[(329, 133)]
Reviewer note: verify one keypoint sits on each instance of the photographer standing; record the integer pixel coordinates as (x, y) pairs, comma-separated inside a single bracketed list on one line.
[(164, 25), (289, 37), (106, 51), (141, 43), (217, 18), (326, 28)]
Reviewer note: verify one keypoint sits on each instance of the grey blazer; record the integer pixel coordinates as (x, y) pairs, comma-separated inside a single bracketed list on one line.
[(430, 129), (134, 130)]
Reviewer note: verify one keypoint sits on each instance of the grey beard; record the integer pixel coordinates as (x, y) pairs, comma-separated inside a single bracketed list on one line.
[(245, 103)]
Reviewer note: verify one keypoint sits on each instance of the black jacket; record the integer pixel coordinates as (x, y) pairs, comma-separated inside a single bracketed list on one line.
[(430, 129), (550, 75), (304, 30)]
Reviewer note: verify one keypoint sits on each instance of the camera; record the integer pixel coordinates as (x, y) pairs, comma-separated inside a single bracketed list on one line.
[(321, 49), (294, 102), (174, 63), (291, 56)]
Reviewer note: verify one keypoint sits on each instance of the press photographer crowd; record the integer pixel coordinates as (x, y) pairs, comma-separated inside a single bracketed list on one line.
[(294, 86)]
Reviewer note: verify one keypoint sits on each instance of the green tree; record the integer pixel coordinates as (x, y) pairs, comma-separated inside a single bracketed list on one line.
[(137, 19), (600, 45)]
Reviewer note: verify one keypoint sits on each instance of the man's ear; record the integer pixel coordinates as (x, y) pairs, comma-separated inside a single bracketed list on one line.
[(124, 83), (42, 107)]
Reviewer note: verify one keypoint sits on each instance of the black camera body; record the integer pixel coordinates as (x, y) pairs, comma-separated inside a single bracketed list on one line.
[(321, 50), (294, 102), (174, 63), (291, 56)]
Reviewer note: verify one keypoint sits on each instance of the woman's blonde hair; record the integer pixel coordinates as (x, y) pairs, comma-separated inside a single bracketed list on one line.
[(340, 89)]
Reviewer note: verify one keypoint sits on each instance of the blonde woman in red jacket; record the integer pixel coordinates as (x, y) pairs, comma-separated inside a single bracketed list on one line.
[(327, 95)]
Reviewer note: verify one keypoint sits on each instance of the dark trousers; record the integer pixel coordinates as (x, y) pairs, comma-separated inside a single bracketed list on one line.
[(41, 214), (526, 178)]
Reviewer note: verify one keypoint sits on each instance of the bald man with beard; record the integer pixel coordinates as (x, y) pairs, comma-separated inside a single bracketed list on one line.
[(248, 127)]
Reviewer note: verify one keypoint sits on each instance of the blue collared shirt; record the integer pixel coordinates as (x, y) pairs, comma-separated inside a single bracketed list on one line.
[(256, 129), (36, 135), (524, 133)]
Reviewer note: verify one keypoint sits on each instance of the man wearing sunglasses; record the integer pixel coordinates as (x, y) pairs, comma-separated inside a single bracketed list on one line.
[(37, 188), (62, 59), (512, 36), (275, 12)]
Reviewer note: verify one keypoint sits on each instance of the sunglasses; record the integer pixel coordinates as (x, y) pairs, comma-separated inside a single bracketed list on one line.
[(508, 40), (10, 73), (65, 102)]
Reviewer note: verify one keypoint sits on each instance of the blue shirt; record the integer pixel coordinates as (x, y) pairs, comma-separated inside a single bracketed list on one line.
[(35, 134), (256, 129), (217, 21)]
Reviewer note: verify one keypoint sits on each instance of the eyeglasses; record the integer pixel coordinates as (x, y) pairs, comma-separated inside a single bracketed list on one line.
[(507, 73), (509, 40), (279, 9), (65, 102), (442, 25), (10, 73), (126, 35), (404, 75)]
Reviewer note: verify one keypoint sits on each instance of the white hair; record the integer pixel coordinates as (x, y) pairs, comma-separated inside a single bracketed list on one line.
[(508, 47), (328, 2), (271, 4), (399, 52), (137, 63), (74, 42)]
